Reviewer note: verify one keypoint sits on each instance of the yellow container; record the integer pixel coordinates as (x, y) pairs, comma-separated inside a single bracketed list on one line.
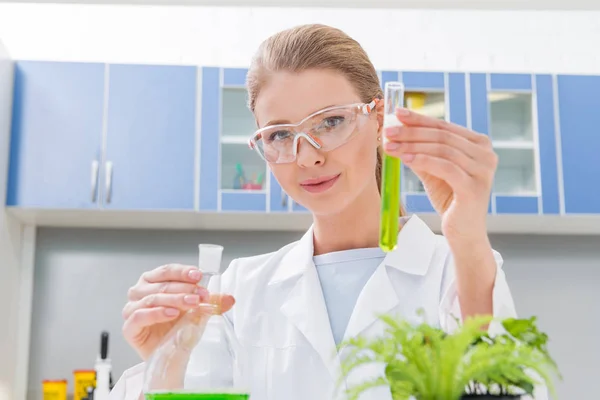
[(83, 378), (55, 389), (415, 100)]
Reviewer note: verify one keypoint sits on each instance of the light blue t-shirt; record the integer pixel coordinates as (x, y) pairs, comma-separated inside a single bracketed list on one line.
[(343, 274)]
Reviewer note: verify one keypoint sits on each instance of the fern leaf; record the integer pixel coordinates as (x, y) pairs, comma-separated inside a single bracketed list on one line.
[(354, 392)]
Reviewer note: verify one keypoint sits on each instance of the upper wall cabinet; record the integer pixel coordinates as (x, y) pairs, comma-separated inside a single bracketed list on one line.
[(232, 177), (516, 111), (145, 137), (56, 135), (93, 135), (510, 123), (579, 117), (151, 138)]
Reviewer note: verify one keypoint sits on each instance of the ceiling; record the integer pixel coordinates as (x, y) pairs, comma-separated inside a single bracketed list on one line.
[(416, 4)]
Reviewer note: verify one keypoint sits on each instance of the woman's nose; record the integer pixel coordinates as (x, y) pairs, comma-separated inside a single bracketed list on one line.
[(307, 154)]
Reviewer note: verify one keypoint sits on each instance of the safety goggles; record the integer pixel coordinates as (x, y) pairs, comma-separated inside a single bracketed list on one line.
[(326, 130)]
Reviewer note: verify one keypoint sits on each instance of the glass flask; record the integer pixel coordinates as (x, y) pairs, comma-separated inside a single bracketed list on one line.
[(200, 358)]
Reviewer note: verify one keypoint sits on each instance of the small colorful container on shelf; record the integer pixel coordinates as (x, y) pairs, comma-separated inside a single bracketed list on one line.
[(241, 182), (82, 379), (54, 389)]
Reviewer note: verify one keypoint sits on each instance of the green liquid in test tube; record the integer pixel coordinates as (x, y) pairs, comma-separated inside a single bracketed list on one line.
[(390, 180)]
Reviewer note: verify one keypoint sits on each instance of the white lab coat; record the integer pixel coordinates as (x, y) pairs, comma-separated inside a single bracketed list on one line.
[(280, 317)]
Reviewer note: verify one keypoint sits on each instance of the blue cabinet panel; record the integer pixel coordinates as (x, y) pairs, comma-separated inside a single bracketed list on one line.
[(579, 106), (298, 207), (234, 76), (209, 139), (478, 92), (278, 202), (151, 137), (547, 144), (418, 203), (388, 76), (423, 80), (457, 98), (244, 201), (56, 134), (510, 82), (516, 205), (479, 103)]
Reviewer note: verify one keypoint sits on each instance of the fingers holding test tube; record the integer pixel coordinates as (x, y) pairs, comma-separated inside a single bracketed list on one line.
[(419, 128), (448, 151), (455, 164)]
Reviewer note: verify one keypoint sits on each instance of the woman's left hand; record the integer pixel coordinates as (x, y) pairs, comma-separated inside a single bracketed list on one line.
[(455, 165)]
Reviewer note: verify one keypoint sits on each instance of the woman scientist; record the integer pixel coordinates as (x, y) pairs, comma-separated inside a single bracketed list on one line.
[(294, 305)]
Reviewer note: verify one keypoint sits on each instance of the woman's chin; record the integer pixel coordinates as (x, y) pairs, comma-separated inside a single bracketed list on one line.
[(329, 206)]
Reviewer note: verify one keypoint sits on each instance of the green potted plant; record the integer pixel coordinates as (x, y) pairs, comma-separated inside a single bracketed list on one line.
[(423, 362)]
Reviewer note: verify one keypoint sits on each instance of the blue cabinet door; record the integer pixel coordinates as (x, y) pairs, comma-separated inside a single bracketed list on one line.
[(502, 107), (547, 144), (579, 116), (210, 140), (56, 135), (151, 138), (231, 120), (457, 98), (478, 92), (423, 82), (511, 126), (279, 201)]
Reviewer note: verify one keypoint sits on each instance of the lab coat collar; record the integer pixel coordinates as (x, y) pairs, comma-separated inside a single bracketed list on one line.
[(297, 260), (304, 304), (416, 243)]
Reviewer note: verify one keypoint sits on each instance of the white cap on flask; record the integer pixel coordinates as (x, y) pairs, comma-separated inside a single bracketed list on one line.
[(209, 258)]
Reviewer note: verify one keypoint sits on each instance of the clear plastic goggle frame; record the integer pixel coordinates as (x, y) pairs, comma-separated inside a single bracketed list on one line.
[(325, 130)]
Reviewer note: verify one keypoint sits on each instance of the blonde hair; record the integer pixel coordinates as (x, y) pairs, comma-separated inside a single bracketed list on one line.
[(315, 46)]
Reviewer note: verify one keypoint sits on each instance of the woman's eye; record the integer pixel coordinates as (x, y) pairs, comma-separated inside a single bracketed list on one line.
[(332, 122), (279, 135)]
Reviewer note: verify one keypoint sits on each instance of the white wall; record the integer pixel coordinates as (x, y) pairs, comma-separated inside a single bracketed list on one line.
[(540, 41), (82, 277), (10, 248), (437, 4)]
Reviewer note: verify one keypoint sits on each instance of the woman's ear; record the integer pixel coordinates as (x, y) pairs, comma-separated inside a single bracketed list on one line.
[(379, 110)]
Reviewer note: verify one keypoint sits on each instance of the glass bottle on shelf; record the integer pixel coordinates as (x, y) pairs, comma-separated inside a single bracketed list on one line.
[(200, 358)]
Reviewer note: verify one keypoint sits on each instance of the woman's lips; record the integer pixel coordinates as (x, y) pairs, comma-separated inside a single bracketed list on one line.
[(320, 184)]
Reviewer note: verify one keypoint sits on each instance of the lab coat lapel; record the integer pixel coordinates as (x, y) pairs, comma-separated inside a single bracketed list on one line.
[(304, 305), (412, 255), (377, 297)]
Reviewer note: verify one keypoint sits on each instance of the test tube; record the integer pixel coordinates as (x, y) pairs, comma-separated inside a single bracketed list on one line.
[(390, 179), (209, 261)]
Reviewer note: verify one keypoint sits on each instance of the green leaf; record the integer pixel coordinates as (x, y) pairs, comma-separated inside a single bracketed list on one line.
[(356, 391)]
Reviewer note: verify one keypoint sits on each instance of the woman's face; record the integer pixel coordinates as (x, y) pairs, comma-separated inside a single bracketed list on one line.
[(323, 182)]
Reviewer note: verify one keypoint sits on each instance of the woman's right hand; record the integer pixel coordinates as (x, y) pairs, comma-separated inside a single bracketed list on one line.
[(158, 300)]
